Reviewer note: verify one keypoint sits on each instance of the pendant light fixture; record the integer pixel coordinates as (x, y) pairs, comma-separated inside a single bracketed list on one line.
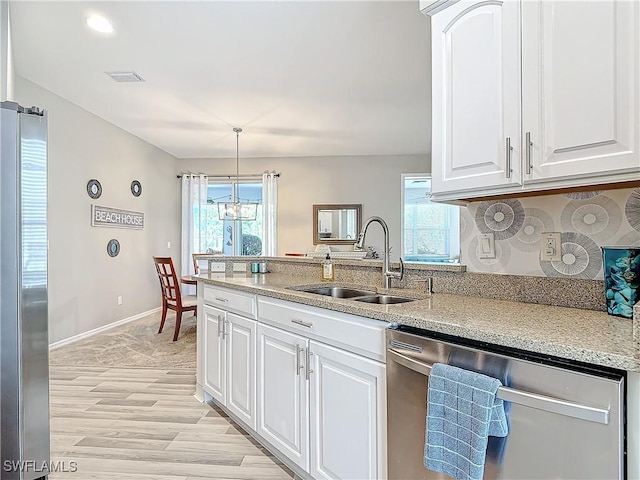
[(245, 211)]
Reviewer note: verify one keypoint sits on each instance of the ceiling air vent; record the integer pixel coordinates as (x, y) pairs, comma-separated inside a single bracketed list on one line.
[(125, 76)]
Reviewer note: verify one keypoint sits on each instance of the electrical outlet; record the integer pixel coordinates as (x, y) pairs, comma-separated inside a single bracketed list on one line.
[(487, 245), (218, 266), (239, 266), (551, 247), (119, 299), (168, 244)]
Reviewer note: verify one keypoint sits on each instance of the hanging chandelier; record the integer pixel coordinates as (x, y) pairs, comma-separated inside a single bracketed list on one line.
[(245, 211)]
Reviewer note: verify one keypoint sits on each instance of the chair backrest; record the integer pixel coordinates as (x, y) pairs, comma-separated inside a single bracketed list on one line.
[(169, 284), (196, 267)]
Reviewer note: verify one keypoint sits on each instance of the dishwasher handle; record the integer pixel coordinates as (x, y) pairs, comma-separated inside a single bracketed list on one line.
[(533, 400)]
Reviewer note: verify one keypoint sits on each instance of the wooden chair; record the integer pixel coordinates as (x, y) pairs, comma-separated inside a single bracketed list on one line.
[(171, 296)]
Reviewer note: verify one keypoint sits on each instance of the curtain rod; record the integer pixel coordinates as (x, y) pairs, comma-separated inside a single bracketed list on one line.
[(230, 176)]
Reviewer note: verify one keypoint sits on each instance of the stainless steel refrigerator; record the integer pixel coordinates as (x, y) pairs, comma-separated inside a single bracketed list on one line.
[(24, 338)]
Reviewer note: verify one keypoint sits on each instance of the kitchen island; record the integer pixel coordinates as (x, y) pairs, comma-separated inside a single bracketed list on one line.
[(585, 336)]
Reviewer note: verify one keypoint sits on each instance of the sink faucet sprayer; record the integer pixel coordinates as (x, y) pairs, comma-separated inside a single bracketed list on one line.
[(387, 274)]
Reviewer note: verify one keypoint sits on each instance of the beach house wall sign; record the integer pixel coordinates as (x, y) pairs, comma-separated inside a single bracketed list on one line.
[(115, 217)]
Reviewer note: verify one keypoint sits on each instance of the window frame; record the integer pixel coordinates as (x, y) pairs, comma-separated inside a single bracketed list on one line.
[(236, 247), (453, 252)]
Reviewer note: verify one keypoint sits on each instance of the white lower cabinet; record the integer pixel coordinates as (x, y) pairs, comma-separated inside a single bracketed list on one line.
[(215, 353), (229, 362), (241, 367), (308, 382), (321, 406), (347, 411), (283, 396)]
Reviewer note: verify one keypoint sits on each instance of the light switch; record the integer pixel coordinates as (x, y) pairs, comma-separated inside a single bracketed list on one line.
[(551, 247), (487, 245)]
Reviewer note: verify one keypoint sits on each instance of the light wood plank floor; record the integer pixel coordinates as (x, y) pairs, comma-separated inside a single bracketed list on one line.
[(130, 423)]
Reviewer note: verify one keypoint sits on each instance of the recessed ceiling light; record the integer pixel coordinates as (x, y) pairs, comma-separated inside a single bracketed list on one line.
[(100, 24)]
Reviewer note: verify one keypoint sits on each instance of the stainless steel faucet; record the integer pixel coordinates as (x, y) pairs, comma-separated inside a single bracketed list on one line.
[(387, 274)]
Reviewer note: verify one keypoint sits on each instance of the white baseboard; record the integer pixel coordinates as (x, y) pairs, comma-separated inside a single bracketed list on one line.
[(80, 336)]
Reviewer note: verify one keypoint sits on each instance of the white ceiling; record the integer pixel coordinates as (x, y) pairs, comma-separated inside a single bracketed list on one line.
[(303, 78)]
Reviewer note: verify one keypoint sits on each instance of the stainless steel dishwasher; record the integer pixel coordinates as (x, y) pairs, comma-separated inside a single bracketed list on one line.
[(566, 421)]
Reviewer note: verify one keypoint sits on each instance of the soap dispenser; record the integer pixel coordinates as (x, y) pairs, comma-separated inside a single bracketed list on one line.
[(327, 269)]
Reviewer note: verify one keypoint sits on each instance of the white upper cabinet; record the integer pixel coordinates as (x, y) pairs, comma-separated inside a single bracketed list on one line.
[(476, 97), (580, 91), (558, 79)]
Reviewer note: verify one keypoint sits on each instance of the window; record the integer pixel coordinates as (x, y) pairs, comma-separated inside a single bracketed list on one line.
[(219, 236), (431, 231)]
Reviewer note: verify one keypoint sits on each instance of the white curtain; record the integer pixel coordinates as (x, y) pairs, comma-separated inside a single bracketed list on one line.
[(194, 197), (270, 214)]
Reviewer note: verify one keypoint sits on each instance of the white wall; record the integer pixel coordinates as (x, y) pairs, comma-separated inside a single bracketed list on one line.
[(83, 280), (7, 75), (373, 181)]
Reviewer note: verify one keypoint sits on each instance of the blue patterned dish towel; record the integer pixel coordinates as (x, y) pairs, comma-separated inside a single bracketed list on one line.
[(462, 412)]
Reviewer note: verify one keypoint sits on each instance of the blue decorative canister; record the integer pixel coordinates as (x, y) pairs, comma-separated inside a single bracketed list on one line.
[(621, 279)]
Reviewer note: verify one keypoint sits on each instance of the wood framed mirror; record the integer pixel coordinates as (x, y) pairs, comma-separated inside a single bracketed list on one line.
[(336, 224)]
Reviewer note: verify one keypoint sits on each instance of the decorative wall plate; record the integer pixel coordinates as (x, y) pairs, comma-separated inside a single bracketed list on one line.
[(113, 247), (94, 189), (136, 188)]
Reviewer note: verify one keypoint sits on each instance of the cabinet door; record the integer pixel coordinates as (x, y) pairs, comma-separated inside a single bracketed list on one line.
[(241, 370), (215, 353), (476, 98), (348, 415), (581, 91), (283, 396)]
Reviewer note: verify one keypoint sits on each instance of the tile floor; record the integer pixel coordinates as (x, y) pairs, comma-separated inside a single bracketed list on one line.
[(122, 407)]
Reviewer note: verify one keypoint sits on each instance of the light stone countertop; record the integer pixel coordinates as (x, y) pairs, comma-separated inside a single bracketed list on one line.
[(584, 335)]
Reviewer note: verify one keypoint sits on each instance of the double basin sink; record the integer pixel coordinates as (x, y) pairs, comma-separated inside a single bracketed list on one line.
[(366, 296)]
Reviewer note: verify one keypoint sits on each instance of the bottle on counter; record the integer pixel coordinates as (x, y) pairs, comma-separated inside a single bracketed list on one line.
[(327, 269)]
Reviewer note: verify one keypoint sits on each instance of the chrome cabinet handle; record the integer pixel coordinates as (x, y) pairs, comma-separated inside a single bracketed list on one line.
[(309, 370), (509, 149), (225, 331), (528, 144), (299, 365), (220, 299), (220, 325), (533, 400), (302, 322)]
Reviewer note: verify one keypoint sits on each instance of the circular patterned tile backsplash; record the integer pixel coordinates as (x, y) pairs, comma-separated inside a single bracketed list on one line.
[(632, 209), (503, 218), (598, 218), (583, 195), (581, 258), (536, 221)]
